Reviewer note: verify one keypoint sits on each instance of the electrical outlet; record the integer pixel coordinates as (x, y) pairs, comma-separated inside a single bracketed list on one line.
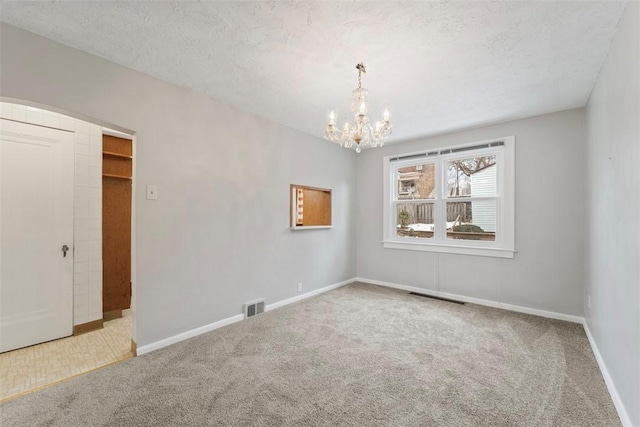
[(152, 192), (588, 301), (300, 287)]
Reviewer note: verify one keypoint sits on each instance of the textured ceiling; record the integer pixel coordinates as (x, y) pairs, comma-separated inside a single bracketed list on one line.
[(438, 66)]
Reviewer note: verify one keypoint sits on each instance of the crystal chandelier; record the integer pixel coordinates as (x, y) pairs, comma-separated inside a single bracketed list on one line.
[(360, 133)]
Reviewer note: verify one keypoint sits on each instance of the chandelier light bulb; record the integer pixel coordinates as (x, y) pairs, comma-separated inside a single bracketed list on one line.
[(359, 134)]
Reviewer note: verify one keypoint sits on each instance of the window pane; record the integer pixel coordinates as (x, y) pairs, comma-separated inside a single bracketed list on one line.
[(473, 220), (416, 182), (472, 177), (414, 220)]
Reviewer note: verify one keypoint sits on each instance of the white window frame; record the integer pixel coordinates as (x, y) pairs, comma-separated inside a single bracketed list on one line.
[(502, 247)]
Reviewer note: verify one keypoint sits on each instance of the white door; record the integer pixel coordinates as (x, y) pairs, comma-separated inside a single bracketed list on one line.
[(36, 221)]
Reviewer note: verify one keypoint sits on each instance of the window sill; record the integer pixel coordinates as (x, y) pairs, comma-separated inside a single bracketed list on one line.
[(310, 227), (451, 249)]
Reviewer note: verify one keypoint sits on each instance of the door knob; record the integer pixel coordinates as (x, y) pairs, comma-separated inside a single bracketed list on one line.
[(65, 248)]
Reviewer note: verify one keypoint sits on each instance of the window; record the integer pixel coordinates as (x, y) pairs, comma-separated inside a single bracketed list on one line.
[(453, 200)]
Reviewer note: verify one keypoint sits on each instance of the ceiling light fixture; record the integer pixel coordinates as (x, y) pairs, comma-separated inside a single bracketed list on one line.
[(360, 133)]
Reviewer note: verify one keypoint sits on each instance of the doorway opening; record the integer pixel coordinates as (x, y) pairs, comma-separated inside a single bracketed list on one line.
[(56, 265)]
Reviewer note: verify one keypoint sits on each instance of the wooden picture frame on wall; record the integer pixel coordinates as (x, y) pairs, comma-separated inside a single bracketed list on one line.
[(310, 207)]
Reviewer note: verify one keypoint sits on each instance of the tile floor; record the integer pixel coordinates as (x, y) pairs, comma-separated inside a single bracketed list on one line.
[(29, 368)]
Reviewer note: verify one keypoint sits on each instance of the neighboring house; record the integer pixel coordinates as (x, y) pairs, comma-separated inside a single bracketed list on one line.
[(407, 182), (416, 182), (483, 183)]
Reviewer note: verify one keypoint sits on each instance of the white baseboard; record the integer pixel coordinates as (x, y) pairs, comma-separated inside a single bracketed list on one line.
[(617, 402), (188, 334), (300, 297), (233, 319), (488, 303)]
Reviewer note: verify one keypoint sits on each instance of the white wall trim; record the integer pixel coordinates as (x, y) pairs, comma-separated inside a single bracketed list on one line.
[(451, 249), (233, 319), (617, 402), (488, 303), (188, 334), (297, 298), (134, 246)]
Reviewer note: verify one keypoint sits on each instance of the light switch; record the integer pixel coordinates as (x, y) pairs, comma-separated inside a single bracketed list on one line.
[(152, 192)]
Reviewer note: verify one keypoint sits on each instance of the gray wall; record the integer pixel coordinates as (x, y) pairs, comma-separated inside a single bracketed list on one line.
[(218, 235), (613, 212), (547, 271)]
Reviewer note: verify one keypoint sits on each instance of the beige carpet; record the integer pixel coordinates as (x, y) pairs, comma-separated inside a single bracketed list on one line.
[(361, 355)]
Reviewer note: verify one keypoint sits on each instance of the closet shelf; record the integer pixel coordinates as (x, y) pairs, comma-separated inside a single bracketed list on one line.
[(109, 175), (112, 154)]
